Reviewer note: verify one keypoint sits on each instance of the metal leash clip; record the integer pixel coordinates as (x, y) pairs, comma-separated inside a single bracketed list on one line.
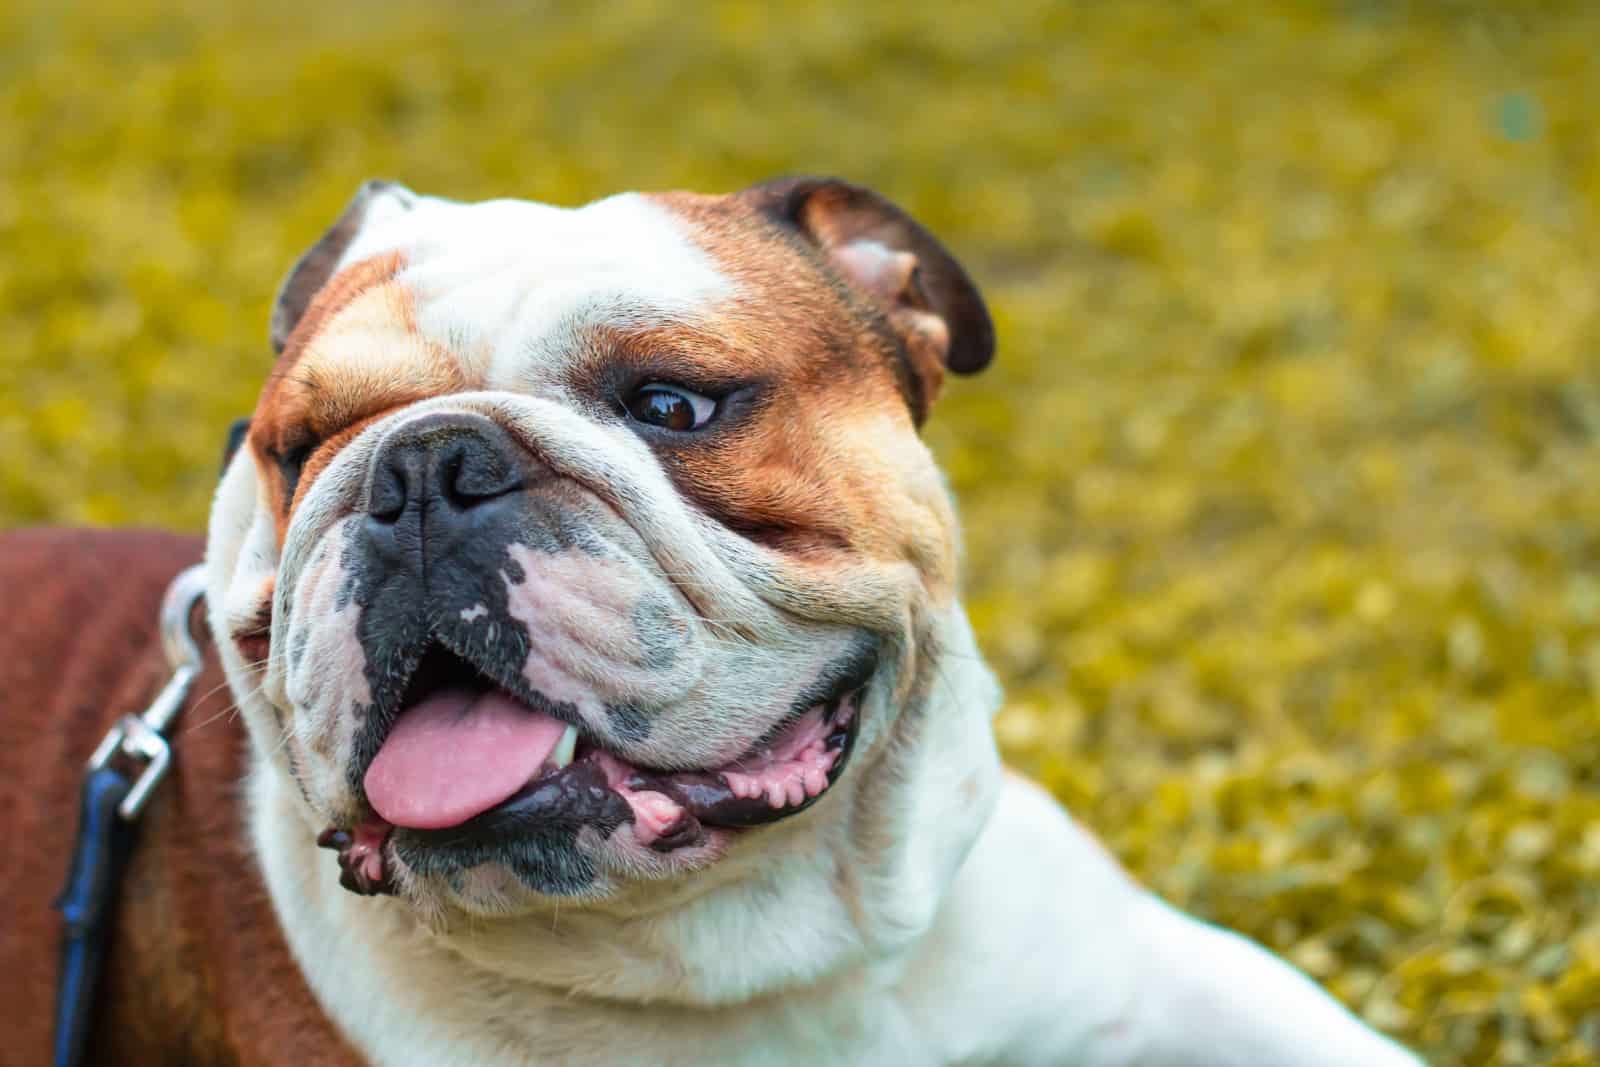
[(141, 738)]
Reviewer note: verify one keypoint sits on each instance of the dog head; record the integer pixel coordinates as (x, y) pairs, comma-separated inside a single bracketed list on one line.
[(570, 550)]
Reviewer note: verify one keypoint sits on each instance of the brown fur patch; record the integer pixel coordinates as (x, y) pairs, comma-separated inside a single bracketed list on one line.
[(355, 355), (332, 298), (198, 971), (828, 459)]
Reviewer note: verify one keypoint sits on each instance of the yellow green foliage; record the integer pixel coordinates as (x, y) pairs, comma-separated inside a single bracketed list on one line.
[(1282, 498)]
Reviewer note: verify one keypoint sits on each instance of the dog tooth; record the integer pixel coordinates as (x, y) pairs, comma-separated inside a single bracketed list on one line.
[(562, 754)]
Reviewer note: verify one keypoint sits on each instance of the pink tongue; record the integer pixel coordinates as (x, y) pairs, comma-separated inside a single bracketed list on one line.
[(458, 754)]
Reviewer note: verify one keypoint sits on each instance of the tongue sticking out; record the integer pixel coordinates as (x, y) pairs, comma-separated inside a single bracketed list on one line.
[(457, 754)]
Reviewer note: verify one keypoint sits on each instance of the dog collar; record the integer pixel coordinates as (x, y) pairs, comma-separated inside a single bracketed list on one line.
[(124, 770)]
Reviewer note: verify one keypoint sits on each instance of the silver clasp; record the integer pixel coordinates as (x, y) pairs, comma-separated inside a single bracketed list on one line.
[(141, 738)]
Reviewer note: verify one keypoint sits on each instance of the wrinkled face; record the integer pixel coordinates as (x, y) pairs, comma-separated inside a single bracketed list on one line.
[(570, 548)]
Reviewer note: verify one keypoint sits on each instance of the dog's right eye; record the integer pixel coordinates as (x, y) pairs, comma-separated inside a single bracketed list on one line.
[(292, 463), (671, 407)]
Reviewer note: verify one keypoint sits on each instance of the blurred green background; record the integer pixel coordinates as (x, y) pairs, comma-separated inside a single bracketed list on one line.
[(1282, 500)]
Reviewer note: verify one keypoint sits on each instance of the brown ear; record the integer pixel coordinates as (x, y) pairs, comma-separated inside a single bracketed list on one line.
[(886, 255), (311, 272)]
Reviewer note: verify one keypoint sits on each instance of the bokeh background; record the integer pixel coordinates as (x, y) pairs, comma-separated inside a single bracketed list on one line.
[(1281, 499)]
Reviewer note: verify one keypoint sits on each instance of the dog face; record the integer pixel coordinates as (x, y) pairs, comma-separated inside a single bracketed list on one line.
[(571, 549)]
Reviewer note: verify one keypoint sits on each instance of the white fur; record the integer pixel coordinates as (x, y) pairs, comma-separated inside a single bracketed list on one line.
[(509, 284)]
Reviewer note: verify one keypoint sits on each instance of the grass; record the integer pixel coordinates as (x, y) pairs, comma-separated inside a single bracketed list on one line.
[(1282, 499)]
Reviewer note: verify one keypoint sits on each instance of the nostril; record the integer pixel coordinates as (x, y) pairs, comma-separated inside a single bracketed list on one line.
[(388, 499), (476, 473), (469, 493), (387, 513)]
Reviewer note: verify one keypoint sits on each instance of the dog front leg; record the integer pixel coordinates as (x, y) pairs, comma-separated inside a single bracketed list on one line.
[(1216, 999)]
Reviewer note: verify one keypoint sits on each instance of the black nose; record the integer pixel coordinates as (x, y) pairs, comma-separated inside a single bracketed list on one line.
[(444, 466), (449, 499)]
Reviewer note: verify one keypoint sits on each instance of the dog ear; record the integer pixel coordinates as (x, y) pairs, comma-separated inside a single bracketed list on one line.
[(238, 430), (886, 255), (374, 201)]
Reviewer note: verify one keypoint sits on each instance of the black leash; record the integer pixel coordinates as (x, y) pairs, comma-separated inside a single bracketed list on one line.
[(107, 825)]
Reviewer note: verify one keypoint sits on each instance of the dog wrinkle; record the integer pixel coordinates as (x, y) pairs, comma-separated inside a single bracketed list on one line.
[(349, 363), (252, 633), (370, 357), (331, 623), (620, 261), (579, 613), (327, 688)]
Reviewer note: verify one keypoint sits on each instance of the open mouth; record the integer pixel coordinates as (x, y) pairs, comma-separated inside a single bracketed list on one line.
[(467, 764)]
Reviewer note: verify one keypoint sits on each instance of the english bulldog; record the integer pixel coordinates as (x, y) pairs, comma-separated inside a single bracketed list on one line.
[(591, 604)]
